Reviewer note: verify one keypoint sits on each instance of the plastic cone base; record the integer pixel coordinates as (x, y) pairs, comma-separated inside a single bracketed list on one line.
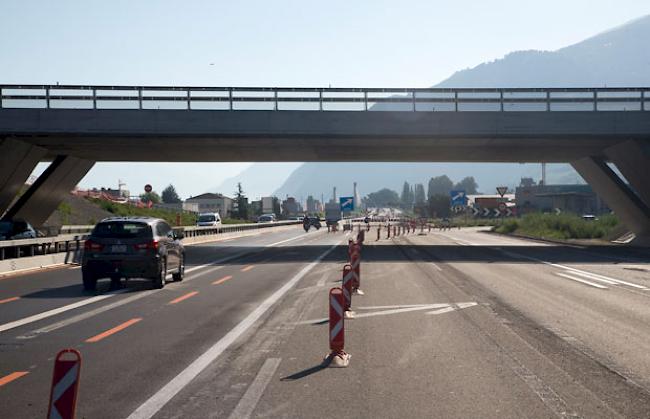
[(338, 360)]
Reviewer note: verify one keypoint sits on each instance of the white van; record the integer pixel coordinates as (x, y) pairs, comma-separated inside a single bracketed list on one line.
[(208, 219)]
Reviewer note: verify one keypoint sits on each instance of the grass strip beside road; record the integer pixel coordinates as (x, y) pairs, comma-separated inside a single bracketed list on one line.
[(559, 226)]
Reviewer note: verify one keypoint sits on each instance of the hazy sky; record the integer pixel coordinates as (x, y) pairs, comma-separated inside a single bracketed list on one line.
[(278, 43)]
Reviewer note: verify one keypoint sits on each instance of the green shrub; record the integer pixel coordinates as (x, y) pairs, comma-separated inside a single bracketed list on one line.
[(562, 226)]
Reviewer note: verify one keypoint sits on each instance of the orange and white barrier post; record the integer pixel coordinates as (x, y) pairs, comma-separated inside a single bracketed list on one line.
[(347, 285), (65, 385), (355, 263), (337, 356)]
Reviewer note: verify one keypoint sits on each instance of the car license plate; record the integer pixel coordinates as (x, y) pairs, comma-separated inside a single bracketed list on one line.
[(118, 248)]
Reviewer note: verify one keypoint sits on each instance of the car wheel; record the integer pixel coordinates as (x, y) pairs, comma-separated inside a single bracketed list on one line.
[(178, 276), (159, 281), (90, 282)]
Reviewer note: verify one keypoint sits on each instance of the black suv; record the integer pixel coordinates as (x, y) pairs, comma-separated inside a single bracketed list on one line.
[(132, 247)]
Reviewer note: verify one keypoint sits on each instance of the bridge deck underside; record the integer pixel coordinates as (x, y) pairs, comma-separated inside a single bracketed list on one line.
[(181, 135)]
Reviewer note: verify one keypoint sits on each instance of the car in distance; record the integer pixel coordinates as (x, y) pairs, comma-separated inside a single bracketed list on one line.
[(16, 230), (265, 219), (132, 247), (208, 219)]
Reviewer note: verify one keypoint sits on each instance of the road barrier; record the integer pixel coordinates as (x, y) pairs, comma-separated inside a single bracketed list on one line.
[(347, 285), (378, 233), (388, 231), (361, 237), (337, 356), (65, 385), (355, 263)]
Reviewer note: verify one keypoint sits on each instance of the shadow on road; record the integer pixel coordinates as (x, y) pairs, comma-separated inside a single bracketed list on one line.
[(442, 253)]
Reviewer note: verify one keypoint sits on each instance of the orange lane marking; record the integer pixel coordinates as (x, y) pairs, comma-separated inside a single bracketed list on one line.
[(222, 280), (114, 330), (11, 377), (248, 268), (183, 297), (8, 300)]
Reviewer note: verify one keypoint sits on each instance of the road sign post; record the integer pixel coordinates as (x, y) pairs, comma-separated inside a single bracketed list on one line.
[(65, 385)]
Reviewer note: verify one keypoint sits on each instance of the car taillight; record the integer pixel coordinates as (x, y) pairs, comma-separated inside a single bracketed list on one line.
[(153, 244), (91, 246)]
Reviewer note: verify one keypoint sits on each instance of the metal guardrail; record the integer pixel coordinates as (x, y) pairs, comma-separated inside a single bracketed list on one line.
[(322, 99), (11, 249)]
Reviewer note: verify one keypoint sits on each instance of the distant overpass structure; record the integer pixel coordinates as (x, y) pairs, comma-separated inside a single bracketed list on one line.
[(594, 129)]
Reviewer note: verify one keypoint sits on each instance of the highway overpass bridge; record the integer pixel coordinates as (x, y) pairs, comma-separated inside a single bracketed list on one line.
[(76, 126)]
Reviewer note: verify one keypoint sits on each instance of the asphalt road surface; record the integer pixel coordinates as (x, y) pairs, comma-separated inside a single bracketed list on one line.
[(458, 323)]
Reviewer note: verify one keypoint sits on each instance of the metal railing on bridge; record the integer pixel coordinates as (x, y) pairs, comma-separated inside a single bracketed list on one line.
[(324, 99)]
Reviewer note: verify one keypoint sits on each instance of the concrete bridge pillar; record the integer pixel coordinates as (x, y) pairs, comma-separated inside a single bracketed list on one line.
[(17, 161), (49, 190), (631, 210), (632, 159)]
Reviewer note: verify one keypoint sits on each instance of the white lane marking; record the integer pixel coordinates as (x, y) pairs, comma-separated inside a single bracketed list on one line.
[(584, 281), (249, 400), (86, 315), (287, 240), (169, 390), (586, 274), (603, 278), (55, 311), (452, 307), (215, 262), (321, 281), (436, 266), (395, 306)]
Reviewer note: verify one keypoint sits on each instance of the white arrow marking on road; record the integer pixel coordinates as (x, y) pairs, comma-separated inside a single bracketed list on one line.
[(437, 309)]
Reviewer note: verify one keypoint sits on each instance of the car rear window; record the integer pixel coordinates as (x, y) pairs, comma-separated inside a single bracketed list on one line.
[(206, 218), (122, 230)]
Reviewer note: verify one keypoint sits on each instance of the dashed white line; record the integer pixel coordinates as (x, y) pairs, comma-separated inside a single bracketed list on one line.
[(249, 400)]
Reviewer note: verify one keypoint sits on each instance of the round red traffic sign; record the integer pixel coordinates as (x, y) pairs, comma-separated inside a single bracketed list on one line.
[(502, 206), (148, 188)]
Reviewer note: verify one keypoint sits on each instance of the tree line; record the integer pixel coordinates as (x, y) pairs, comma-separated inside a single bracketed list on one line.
[(432, 203)]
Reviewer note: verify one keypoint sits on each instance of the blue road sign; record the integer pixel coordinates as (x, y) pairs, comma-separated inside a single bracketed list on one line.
[(347, 203), (458, 198)]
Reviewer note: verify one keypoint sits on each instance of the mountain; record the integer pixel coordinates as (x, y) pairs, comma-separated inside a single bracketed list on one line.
[(257, 180), (617, 57), (319, 178)]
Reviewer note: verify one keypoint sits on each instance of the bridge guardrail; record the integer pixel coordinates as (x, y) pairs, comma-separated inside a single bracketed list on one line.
[(323, 99), (12, 249)]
